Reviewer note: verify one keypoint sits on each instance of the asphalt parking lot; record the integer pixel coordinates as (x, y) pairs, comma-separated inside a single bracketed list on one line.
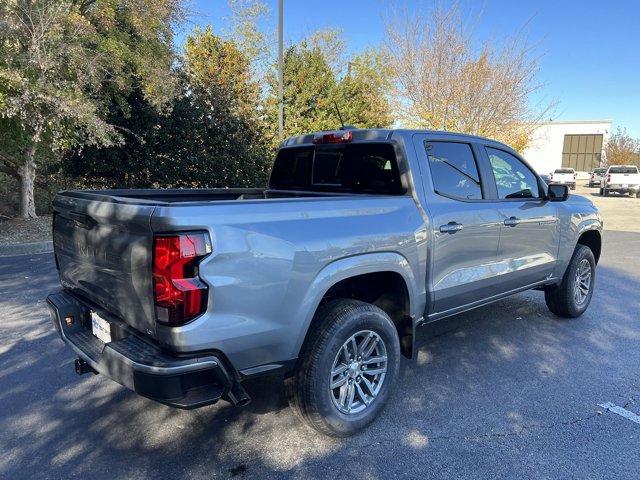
[(504, 391), (620, 212)]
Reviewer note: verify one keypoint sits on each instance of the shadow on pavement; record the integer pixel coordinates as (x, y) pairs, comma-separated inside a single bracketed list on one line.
[(487, 375)]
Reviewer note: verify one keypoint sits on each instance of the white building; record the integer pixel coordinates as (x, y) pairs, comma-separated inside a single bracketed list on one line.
[(576, 145)]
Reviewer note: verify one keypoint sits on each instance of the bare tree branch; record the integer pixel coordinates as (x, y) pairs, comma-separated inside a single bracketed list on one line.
[(442, 81)]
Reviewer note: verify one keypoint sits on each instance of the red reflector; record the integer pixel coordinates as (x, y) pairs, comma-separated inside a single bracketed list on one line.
[(339, 136), (178, 292)]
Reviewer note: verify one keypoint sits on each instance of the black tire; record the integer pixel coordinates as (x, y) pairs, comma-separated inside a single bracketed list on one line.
[(560, 298), (309, 394), (601, 192), (605, 192), (638, 194)]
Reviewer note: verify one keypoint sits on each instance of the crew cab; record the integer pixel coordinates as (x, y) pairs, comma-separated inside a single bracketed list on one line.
[(564, 176), (323, 277), (621, 179)]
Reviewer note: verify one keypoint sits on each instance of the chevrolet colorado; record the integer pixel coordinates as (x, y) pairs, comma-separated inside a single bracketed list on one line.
[(360, 237)]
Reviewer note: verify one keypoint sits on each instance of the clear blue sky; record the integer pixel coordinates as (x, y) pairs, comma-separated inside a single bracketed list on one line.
[(590, 49)]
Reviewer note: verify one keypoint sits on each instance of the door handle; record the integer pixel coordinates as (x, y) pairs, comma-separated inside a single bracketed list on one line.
[(451, 227), (512, 221)]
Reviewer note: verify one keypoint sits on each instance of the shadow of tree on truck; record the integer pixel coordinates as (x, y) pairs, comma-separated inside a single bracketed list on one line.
[(488, 374)]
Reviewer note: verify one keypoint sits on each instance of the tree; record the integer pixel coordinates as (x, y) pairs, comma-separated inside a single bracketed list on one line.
[(222, 73), (443, 82), (45, 70), (59, 61), (308, 86), (211, 136), (362, 94), (315, 81), (246, 33), (622, 149)]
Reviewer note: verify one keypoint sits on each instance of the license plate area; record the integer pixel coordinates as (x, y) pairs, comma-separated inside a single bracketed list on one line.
[(100, 328)]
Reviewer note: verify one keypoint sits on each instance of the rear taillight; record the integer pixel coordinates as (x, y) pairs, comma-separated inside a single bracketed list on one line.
[(178, 292), (574, 176), (608, 178)]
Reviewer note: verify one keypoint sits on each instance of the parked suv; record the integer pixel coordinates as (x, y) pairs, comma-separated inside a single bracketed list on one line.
[(360, 237)]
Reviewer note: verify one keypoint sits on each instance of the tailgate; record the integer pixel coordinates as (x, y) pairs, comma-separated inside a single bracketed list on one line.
[(103, 252), (625, 178), (563, 177)]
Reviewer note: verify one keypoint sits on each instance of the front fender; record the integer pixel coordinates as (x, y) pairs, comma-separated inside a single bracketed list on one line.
[(575, 224), (346, 268)]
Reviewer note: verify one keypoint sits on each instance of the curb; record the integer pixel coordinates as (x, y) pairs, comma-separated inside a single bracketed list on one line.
[(11, 249)]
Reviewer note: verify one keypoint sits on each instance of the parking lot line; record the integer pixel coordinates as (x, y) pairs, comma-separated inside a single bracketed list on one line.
[(623, 412)]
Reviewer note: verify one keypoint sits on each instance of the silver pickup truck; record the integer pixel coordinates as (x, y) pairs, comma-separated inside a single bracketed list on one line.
[(323, 277)]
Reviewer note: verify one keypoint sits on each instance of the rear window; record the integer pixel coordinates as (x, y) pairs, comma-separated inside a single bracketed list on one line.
[(350, 168), (564, 170), (600, 170), (623, 170)]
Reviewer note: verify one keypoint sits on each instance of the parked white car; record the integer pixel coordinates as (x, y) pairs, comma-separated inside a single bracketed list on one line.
[(621, 179), (563, 176)]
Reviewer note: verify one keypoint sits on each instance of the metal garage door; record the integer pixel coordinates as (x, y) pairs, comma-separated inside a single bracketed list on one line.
[(582, 152)]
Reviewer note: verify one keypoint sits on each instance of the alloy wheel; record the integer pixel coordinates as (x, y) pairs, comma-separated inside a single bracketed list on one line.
[(358, 372), (583, 281)]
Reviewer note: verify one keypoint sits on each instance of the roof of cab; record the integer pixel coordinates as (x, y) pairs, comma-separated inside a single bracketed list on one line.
[(381, 134)]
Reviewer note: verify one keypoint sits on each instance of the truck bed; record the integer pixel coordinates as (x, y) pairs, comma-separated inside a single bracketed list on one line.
[(103, 239)]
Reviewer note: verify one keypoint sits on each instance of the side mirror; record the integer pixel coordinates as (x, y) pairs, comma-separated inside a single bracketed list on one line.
[(557, 193)]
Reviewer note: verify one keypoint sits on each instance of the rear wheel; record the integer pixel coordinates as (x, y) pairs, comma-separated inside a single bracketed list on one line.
[(348, 368), (605, 192), (572, 296), (601, 191)]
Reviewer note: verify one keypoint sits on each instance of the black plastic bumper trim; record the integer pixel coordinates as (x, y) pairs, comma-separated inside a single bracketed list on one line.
[(139, 365)]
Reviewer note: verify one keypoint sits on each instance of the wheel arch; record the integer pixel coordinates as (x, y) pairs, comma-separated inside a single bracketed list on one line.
[(592, 239), (384, 279)]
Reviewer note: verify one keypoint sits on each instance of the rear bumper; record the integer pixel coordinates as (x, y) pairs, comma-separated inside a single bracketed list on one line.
[(623, 189), (134, 362), (568, 184)]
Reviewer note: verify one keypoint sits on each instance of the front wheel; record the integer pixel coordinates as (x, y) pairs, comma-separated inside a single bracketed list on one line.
[(572, 296), (348, 368)]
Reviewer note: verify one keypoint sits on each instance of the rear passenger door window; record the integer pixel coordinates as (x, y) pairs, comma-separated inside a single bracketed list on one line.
[(513, 178), (454, 170)]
